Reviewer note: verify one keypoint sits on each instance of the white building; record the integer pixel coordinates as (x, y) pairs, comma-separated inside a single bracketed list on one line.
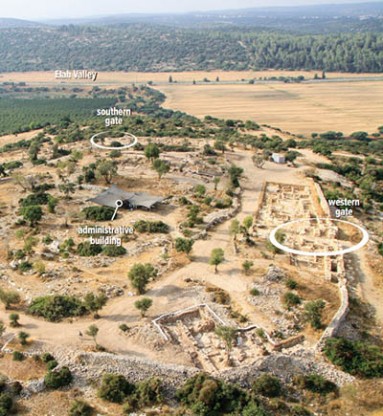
[(277, 158)]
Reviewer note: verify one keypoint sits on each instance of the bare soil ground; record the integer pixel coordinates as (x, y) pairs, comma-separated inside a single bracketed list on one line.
[(162, 77)]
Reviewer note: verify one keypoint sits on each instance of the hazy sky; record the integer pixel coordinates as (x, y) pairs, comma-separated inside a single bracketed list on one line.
[(43, 9)]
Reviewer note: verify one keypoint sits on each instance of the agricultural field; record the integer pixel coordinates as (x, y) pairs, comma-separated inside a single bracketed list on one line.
[(297, 108)]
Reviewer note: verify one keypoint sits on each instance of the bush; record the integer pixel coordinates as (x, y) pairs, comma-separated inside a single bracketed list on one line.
[(56, 307), (151, 227), (6, 403), (25, 266), (355, 357), (205, 395), (267, 385), (98, 213), (89, 250), (18, 356), (115, 388), (114, 251), (35, 199), (291, 284), (313, 313), (80, 408), (255, 292), (290, 299), (124, 328), (46, 357), (52, 364), (316, 383), (59, 378)]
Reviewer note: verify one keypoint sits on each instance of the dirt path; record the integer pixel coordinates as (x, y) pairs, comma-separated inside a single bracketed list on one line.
[(170, 292)]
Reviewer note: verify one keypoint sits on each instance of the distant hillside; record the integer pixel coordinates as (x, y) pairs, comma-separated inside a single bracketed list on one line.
[(8, 23), (303, 19), (156, 48)]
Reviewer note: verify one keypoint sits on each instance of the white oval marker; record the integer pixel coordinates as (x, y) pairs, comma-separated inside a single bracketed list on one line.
[(358, 246), (100, 146), (118, 204)]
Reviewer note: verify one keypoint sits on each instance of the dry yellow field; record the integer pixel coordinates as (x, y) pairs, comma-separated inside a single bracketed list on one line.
[(298, 108), (163, 77)]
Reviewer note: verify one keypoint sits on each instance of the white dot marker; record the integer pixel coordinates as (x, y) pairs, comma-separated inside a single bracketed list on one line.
[(118, 204)]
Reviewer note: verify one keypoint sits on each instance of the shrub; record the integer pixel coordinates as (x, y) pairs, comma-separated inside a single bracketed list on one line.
[(59, 378), (25, 266), (18, 356), (316, 383), (267, 385), (98, 213), (151, 227), (124, 328), (6, 403), (290, 299), (52, 364), (56, 307), (291, 284), (355, 357), (114, 251), (35, 199), (89, 250), (80, 408), (205, 395), (115, 388), (184, 245), (313, 313), (255, 292), (46, 357)]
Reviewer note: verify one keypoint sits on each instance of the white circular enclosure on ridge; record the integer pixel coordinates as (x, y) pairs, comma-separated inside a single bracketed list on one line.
[(127, 146), (282, 247)]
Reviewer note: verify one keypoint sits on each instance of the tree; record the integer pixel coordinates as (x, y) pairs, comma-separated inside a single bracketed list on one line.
[(234, 229), (247, 265), (9, 298), (227, 334), (92, 331), (220, 145), (217, 257), (14, 320), (247, 223), (184, 245), (235, 174), (32, 213), (313, 313), (143, 305), (106, 169), (140, 274), (115, 388), (161, 167), (23, 337), (59, 378), (94, 303), (67, 188), (152, 152), (290, 299)]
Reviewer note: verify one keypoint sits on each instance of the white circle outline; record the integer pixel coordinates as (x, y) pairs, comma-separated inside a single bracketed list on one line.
[(362, 243), (127, 146), (119, 203)]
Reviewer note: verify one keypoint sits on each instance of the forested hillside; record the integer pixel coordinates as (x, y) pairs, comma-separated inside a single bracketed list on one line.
[(143, 47)]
